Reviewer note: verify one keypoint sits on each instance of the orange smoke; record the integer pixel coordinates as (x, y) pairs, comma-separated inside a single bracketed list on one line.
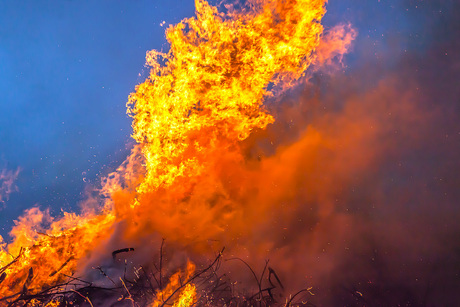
[(190, 178), (334, 44)]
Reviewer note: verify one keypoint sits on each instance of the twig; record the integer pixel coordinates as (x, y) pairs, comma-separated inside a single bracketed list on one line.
[(252, 271), (261, 276), (30, 276), (78, 279), (86, 298), (100, 269), (154, 277), (161, 260), (272, 272), (194, 277), (301, 291), (62, 266), (148, 279), (129, 294)]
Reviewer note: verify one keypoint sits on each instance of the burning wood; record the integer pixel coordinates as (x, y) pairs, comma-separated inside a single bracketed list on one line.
[(2, 277), (28, 281), (61, 267), (202, 287)]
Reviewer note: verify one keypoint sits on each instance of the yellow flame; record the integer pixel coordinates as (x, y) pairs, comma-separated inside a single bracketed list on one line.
[(201, 99), (52, 303), (187, 296), (216, 75)]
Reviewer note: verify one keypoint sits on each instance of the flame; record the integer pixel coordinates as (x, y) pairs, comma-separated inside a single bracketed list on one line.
[(187, 296), (209, 94), (201, 100), (38, 259), (52, 303)]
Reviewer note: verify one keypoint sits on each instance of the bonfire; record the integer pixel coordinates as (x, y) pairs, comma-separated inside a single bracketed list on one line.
[(176, 219)]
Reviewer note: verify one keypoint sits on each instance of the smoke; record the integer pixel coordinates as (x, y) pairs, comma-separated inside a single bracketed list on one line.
[(371, 199), (335, 43), (7, 186), (362, 172), (352, 190)]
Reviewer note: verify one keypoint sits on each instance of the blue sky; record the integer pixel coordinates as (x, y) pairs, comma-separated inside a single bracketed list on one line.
[(67, 69)]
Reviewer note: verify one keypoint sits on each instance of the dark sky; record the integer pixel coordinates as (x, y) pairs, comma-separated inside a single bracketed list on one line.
[(67, 68)]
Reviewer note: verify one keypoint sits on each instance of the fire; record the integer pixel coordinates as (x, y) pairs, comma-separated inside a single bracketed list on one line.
[(202, 99), (187, 296), (209, 94), (42, 259)]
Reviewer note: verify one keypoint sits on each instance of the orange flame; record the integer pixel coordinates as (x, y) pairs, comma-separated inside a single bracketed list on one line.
[(38, 258), (201, 100), (187, 296)]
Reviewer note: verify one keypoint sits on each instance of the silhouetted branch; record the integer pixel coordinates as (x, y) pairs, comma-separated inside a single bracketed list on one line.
[(123, 250)]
